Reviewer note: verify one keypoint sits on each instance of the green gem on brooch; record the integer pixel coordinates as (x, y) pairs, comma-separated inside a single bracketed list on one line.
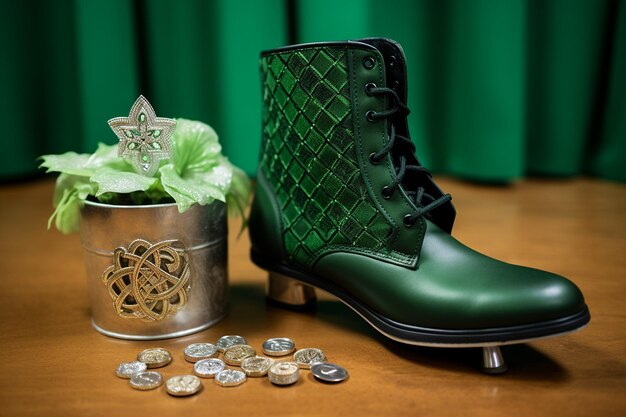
[(144, 137)]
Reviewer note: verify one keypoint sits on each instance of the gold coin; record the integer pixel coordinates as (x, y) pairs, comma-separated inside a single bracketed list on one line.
[(234, 355), (154, 357), (183, 385), (308, 356), (256, 365)]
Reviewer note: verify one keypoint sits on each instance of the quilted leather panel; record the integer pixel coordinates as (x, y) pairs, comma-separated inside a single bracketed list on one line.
[(308, 156)]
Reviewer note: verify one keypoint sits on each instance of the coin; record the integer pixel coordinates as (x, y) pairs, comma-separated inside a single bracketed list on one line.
[(207, 368), (230, 378), (225, 342), (308, 356), (154, 357), (278, 346), (234, 355), (256, 365), (283, 373), (197, 351), (127, 369), (183, 385), (329, 372), (146, 380)]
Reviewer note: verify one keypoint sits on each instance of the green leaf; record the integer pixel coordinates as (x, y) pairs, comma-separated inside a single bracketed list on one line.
[(239, 195), (195, 187), (195, 147), (70, 193), (69, 163), (111, 181), (86, 165), (64, 182), (106, 156)]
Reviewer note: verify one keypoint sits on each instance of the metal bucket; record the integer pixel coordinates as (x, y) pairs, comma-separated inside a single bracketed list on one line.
[(152, 272)]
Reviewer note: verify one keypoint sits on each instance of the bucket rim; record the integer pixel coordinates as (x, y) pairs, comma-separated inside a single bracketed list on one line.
[(143, 206)]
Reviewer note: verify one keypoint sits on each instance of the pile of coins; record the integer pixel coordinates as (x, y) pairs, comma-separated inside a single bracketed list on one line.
[(236, 352)]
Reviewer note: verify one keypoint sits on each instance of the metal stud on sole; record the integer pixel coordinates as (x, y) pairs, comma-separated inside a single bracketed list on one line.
[(493, 363), (288, 292)]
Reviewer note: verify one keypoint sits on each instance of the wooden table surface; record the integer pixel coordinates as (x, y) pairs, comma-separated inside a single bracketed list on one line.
[(54, 363)]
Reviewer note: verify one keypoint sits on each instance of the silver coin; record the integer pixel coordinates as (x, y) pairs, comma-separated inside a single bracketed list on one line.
[(230, 378), (308, 356), (207, 368), (329, 372), (225, 342), (183, 385), (256, 365), (127, 369), (146, 380), (278, 346), (234, 355), (155, 357), (283, 373), (197, 351)]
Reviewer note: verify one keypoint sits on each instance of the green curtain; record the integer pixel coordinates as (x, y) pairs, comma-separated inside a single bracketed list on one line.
[(499, 89)]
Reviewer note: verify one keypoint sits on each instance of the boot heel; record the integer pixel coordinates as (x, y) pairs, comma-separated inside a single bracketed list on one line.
[(289, 293)]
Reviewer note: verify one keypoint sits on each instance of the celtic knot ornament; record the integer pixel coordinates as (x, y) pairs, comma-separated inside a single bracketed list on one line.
[(148, 281), (144, 137)]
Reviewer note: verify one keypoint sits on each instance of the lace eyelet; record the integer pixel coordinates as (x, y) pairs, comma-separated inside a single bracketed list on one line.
[(392, 61), (373, 159), (386, 193), (368, 88), (370, 116), (369, 62), (408, 221)]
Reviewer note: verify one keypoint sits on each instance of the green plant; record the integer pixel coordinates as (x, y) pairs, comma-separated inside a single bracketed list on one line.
[(196, 173)]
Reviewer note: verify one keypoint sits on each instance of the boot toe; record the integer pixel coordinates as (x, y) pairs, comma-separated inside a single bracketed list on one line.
[(479, 292), (532, 296)]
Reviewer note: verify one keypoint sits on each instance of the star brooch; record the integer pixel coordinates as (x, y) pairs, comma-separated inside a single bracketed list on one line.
[(144, 137)]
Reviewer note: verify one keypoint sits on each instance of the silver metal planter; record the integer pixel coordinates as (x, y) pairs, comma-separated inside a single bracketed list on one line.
[(152, 272)]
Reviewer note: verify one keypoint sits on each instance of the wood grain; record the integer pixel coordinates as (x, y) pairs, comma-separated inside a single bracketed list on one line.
[(54, 363)]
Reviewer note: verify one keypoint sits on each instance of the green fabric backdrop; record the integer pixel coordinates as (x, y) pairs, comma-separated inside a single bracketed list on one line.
[(499, 89)]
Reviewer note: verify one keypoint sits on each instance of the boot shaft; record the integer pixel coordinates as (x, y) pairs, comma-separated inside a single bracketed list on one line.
[(315, 167)]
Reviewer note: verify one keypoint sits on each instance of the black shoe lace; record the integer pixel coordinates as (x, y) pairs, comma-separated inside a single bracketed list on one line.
[(398, 145)]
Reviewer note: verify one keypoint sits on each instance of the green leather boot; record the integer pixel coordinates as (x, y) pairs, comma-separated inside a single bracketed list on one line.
[(343, 204)]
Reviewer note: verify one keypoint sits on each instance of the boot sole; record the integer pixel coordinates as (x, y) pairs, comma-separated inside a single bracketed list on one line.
[(424, 336)]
